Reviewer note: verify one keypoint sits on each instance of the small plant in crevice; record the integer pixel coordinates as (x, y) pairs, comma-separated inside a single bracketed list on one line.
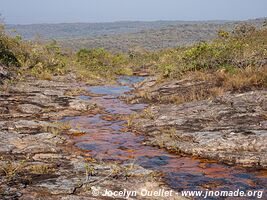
[(130, 120), (56, 128), (89, 171), (148, 114), (11, 168)]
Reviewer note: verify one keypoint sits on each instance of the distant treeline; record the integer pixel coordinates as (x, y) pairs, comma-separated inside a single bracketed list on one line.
[(122, 36)]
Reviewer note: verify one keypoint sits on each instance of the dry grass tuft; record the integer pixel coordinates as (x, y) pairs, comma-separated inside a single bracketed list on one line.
[(41, 169), (244, 79), (11, 169)]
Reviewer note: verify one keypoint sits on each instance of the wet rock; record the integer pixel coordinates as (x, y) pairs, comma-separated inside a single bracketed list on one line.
[(48, 168)]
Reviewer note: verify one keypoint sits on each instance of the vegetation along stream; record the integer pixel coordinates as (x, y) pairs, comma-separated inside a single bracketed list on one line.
[(106, 139)]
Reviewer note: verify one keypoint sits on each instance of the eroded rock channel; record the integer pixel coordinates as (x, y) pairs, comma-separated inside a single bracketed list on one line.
[(57, 145), (107, 138), (37, 159)]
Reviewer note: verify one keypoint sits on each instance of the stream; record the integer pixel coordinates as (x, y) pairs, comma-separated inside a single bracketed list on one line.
[(107, 140)]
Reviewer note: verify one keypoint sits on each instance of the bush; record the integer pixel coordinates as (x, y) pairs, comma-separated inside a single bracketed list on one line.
[(102, 63), (227, 51), (32, 58), (7, 56)]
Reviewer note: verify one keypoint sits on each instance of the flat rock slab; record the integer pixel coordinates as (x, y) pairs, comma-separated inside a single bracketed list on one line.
[(61, 185), (36, 159), (231, 128), (29, 108)]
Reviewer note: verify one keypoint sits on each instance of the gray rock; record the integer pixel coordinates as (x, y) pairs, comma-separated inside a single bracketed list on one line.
[(231, 128), (61, 185), (47, 156), (28, 124), (80, 105), (29, 108)]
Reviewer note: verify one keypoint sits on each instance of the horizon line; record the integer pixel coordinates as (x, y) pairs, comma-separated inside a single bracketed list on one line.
[(137, 21)]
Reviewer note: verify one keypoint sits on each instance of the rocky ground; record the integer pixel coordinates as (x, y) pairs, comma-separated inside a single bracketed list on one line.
[(231, 128), (37, 161)]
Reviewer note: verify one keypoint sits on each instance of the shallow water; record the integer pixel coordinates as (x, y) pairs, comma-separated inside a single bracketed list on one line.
[(106, 140)]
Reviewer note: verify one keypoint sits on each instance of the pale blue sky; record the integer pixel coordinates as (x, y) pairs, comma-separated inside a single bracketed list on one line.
[(55, 11)]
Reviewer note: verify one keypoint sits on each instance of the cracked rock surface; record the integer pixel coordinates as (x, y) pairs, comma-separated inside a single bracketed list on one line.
[(231, 128), (37, 161)]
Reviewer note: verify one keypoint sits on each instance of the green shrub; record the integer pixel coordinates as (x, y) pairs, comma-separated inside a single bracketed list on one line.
[(227, 51), (102, 63), (31, 57), (7, 56)]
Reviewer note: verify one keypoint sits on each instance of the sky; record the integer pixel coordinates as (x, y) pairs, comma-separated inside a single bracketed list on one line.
[(64, 11)]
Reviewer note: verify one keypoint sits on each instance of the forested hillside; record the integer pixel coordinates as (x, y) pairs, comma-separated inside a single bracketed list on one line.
[(121, 36)]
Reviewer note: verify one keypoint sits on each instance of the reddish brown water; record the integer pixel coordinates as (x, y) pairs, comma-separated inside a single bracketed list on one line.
[(105, 140)]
